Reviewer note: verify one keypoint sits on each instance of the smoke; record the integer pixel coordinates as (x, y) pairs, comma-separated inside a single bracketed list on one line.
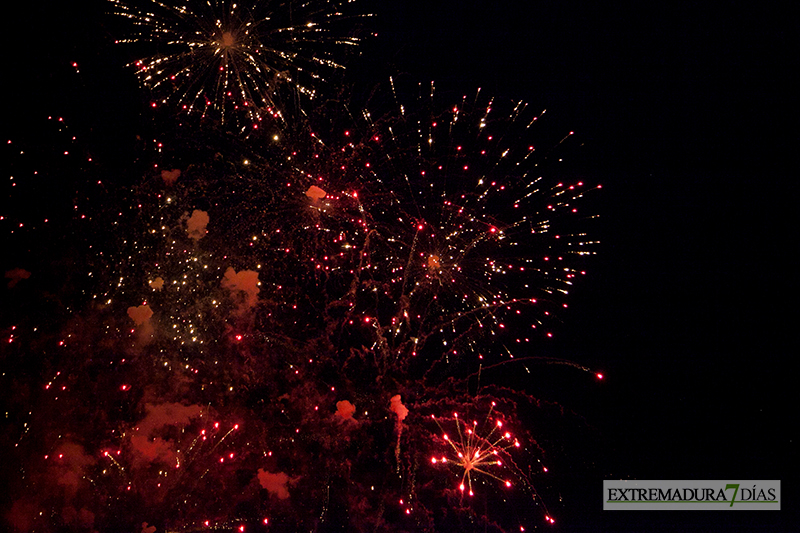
[(276, 484), (243, 286), (61, 485), (196, 224), (345, 409), (315, 193), (147, 440), (15, 275), (170, 176), (141, 318), (398, 408), (140, 315)]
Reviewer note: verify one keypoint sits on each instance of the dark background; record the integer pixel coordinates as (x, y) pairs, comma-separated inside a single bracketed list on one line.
[(688, 117)]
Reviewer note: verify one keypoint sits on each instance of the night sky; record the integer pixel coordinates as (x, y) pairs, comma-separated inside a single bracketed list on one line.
[(688, 117)]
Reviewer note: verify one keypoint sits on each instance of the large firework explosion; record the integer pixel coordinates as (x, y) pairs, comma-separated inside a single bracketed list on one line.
[(290, 333)]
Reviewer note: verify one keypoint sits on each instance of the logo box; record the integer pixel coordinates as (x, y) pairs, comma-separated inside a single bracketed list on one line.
[(684, 495)]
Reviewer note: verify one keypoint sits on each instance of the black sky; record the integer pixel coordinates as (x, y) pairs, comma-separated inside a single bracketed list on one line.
[(688, 112)]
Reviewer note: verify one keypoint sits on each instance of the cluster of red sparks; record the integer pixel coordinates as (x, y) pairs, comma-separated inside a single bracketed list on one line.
[(475, 453)]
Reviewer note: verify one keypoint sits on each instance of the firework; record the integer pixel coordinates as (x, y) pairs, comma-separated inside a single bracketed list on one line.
[(264, 333), (252, 60), (473, 453), (471, 464), (449, 229)]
